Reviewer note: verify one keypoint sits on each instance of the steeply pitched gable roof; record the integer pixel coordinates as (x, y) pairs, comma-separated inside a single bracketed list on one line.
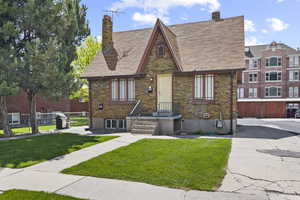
[(198, 46), (170, 39)]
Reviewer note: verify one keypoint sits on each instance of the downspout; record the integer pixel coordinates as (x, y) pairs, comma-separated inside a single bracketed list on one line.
[(90, 105), (231, 103)]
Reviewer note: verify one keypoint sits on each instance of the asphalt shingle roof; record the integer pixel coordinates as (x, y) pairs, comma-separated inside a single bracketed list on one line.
[(199, 46)]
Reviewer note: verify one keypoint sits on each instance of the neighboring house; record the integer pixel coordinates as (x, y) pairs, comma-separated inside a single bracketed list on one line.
[(167, 79), (269, 87), (18, 109)]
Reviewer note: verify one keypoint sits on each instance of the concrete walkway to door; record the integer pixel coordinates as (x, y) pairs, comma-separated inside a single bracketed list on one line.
[(253, 174)]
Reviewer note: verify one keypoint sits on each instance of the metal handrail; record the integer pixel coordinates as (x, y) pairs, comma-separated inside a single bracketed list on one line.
[(135, 108)]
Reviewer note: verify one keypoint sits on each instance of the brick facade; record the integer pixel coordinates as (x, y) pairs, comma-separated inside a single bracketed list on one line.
[(183, 92), (265, 52)]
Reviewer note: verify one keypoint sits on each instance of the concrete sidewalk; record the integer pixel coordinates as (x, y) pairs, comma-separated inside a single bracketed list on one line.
[(251, 175)]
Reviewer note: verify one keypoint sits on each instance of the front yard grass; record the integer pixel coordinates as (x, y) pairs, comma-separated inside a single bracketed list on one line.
[(23, 130), (25, 152), (179, 163), (75, 121), (29, 195)]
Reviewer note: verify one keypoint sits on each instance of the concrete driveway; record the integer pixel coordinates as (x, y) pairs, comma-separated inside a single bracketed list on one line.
[(265, 159)]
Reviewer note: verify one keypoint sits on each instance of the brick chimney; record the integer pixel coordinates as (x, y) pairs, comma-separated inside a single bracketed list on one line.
[(216, 16), (107, 30)]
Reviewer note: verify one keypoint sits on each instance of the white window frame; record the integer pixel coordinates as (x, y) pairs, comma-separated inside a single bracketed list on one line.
[(15, 115), (116, 122), (292, 76), (293, 92), (278, 57), (278, 89), (131, 90), (123, 90), (253, 73), (294, 61), (204, 87), (253, 63), (240, 93), (269, 72), (252, 91), (115, 90)]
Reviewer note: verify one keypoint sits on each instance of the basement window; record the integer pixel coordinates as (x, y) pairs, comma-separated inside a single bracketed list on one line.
[(115, 124)]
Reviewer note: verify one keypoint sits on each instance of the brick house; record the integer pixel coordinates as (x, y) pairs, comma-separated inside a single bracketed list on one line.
[(167, 79), (269, 87)]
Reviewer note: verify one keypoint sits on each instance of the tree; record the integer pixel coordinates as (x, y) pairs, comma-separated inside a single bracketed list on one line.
[(85, 55), (8, 62), (48, 33)]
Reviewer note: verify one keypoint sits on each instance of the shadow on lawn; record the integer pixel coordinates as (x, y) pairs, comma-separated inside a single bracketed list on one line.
[(29, 151)]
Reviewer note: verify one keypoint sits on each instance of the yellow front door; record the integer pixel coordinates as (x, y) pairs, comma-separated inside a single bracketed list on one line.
[(164, 92)]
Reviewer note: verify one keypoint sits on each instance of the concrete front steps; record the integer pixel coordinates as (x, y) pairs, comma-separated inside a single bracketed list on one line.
[(144, 126)]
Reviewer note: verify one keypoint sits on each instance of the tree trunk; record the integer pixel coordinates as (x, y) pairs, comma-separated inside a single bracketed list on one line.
[(5, 124), (32, 108)]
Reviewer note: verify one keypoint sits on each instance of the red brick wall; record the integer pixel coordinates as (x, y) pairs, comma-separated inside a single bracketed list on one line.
[(19, 104), (262, 109), (77, 106)]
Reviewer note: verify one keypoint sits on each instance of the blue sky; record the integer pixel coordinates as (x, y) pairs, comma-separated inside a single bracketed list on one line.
[(266, 20)]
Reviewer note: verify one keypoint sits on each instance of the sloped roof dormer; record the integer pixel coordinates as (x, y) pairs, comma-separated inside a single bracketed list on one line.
[(171, 42)]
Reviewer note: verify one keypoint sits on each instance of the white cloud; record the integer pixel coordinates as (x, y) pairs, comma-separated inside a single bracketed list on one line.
[(265, 31), (251, 41), (249, 26), (277, 24), (147, 18), (279, 1), (161, 8), (164, 5)]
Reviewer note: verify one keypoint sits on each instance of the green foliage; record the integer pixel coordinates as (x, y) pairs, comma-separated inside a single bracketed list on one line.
[(29, 151), (85, 55), (30, 195), (183, 163)]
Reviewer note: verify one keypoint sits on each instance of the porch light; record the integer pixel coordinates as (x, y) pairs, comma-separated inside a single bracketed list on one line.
[(150, 89)]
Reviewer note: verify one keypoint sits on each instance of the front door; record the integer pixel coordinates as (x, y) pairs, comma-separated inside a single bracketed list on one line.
[(164, 93)]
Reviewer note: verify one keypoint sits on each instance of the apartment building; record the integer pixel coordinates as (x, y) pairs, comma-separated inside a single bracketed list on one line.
[(269, 87)]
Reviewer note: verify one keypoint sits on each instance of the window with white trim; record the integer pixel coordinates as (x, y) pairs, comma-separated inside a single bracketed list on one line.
[(293, 92), (14, 118), (131, 90), (274, 61), (123, 90), (240, 93), (204, 87), (253, 77), (294, 75), (273, 76), (294, 61), (115, 124), (122, 85), (252, 93), (253, 63), (273, 91)]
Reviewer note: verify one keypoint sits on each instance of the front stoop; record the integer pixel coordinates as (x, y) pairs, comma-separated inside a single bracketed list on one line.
[(143, 126)]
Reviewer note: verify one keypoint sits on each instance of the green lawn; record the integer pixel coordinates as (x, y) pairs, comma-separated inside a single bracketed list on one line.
[(183, 163), (79, 121), (19, 131), (75, 121), (29, 195), (29, 151)]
